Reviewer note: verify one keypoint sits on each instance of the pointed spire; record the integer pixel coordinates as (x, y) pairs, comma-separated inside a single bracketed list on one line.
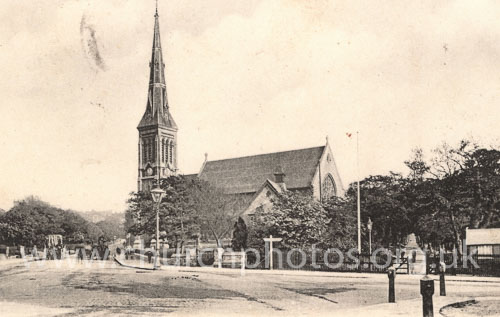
[(157, 112), (157, 67)]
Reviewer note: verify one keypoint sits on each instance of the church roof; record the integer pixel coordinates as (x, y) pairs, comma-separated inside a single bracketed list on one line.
[(157, 110), (190, 177), (247, 174)]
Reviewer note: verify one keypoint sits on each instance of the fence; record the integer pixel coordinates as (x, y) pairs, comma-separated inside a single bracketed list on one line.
[(322, 261), (487, 264)]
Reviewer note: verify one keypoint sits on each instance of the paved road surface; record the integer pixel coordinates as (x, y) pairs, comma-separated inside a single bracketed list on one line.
[(109, 289)]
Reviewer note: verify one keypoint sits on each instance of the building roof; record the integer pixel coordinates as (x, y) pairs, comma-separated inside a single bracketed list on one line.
[(482, 236), (190, 177), (247, 174)]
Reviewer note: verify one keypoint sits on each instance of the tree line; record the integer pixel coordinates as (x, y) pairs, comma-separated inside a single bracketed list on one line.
[(190, 209), (194, 209), (30, 220), (458, 187)]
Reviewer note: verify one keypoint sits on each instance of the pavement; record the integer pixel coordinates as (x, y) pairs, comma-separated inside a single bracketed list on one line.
[(138, 264), (59, 288)]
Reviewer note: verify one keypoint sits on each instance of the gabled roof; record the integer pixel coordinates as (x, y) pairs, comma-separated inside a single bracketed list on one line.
[(247, 174), (482, 236), (273, 185)]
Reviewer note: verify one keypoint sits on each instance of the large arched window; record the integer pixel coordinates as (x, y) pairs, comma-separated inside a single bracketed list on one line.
[(144, 152), (328, 188), (147, 150), (153, 151)]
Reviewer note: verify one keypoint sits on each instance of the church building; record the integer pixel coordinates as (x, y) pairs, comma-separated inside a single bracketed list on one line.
[(259, 178), (254, 179)]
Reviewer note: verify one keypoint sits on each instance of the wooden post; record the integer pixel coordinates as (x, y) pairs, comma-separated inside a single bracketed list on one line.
[(271, 266), (408, 264), (243, 262), (271, 240)]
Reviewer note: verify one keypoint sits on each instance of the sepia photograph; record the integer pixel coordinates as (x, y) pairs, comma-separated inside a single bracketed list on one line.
[(250, 158)]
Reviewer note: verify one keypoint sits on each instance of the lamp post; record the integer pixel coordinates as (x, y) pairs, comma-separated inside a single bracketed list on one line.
[(157, 195), (369, 225)]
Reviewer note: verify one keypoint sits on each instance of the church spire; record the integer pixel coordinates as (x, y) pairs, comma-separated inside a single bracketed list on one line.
[(157, 109), (157, 129)]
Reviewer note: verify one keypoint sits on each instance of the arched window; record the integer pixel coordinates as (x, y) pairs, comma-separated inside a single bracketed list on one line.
[(163, 149), (153, 151), (167, 145), (150, 150), (328, 188), (171, 152)]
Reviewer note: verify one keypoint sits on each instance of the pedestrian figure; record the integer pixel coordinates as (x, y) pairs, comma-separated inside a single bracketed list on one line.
[(80, 254)]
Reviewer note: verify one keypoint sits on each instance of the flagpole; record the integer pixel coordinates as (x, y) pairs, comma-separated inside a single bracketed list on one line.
[(359, 200)]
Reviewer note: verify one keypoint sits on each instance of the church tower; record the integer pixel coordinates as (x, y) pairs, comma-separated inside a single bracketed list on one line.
[(157, 129)]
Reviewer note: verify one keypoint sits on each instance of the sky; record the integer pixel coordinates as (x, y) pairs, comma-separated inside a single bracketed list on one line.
[(243, 77)]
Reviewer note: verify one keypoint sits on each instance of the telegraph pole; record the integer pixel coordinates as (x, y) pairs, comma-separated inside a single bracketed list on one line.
[(359, 199)]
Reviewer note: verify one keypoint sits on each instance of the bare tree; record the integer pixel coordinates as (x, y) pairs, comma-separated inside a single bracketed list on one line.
[(217, 211)]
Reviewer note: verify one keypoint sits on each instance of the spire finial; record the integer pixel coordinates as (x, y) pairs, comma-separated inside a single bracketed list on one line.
[(156, 11)]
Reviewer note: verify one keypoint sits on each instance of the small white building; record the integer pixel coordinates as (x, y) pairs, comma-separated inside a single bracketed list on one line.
[(138, 243), (484, 241)]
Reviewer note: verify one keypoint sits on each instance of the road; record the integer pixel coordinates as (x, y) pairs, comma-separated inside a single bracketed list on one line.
[(104, 289)]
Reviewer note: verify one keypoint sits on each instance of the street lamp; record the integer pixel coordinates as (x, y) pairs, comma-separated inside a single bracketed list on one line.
[(369, 225), (157, 195)]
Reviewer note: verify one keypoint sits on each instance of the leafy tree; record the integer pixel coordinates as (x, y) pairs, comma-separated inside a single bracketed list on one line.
[(240, 235), (112, 226), (482, 170), (93, 232), (383, 200), (181, 217), (464, 189), (176, 212), (139, 213), (30, 220), (298, 219), (417, 166), (342, 223), (458, 189)]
